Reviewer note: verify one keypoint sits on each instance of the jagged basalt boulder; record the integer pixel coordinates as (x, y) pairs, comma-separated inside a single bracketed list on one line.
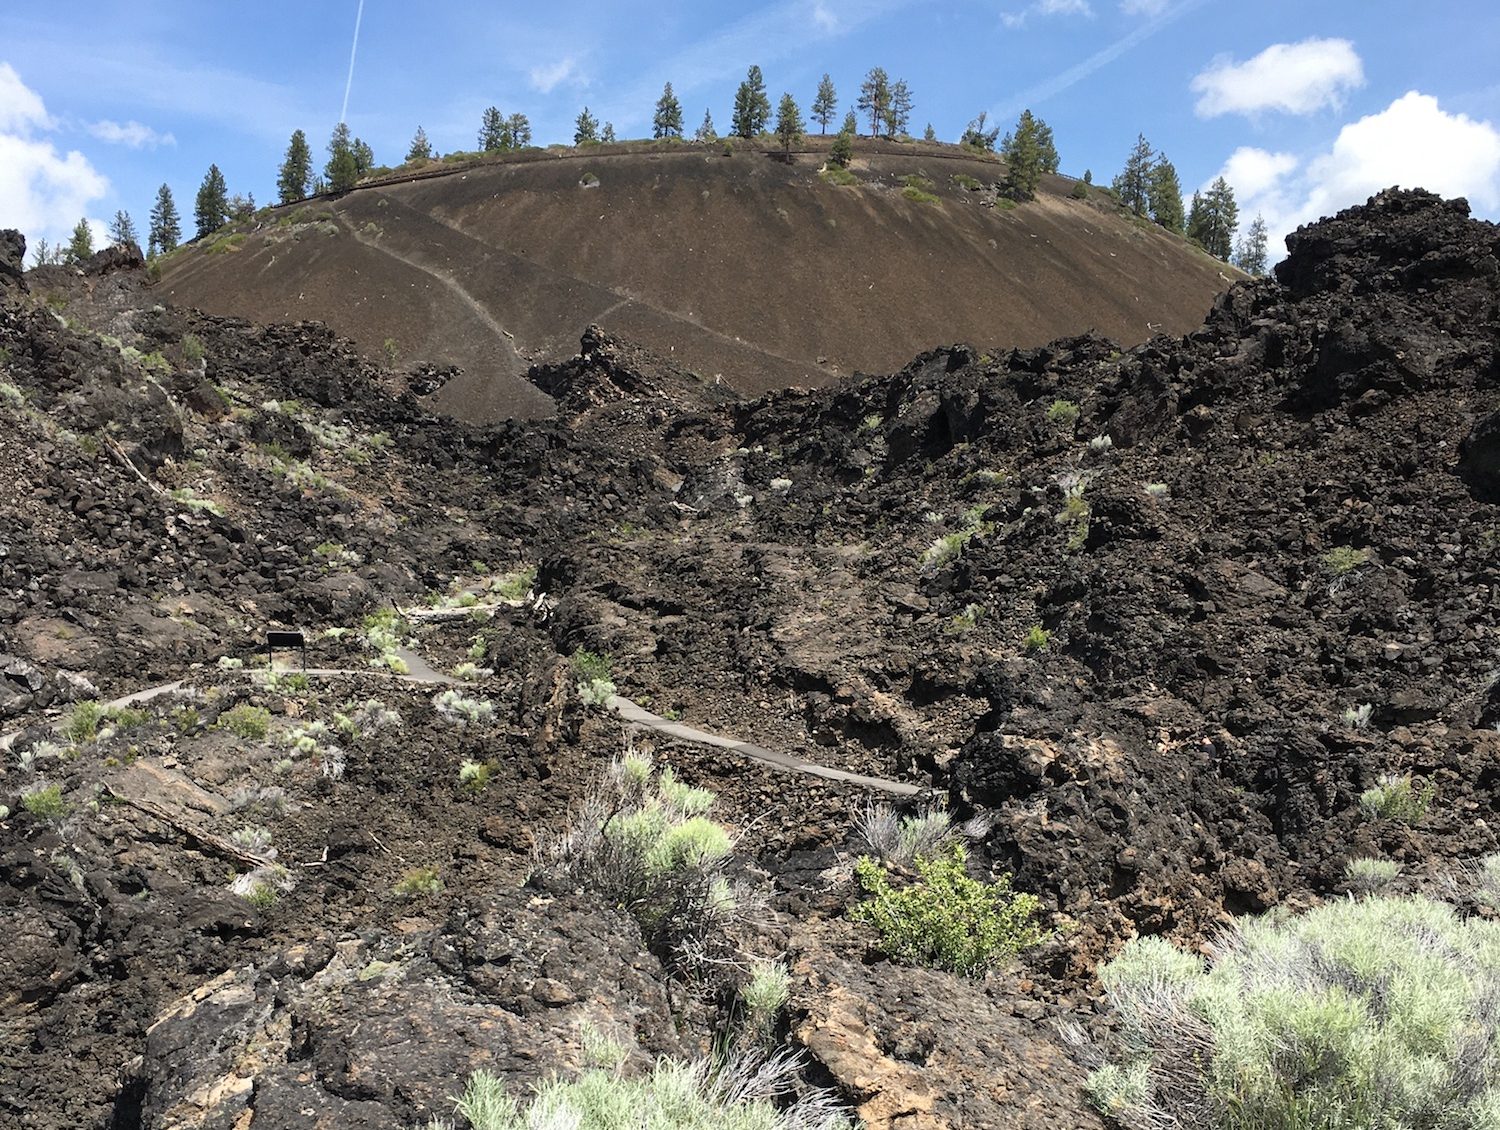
[(12, 260)]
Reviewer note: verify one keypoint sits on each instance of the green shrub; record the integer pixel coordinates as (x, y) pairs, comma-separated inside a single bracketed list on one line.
[(966, 182), (1397, 798), (946, 919), (1037, 638), (918, 196), (966, 620), (765, 994), (1063, 413), (1344, 559), (514, 586), (418, 881), (838, 175), (245, 721), (1374, 1012), (642, 841), (595, 685), (192, 348), (474, 776), (127, 717), (83, 722), (1080, 191), (1075, 515), (11, 396), (1371, 875), (45, 803)]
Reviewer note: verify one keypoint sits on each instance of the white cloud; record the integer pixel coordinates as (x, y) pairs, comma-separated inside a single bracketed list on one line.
[(21, 108), (546, 79), (42, 192), (1413, 143), (1143, 7), (131, 133), (1294, 78), (825, 18), (1046, 8), (1255, 173)]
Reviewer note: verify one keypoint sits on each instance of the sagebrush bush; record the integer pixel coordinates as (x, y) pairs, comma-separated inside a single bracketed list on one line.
[(1063, 412), (246, 721), (1375, 1012), (1396, 797), (45, 802), (947, 919), (1371, 875), (462, 710), (595, 680), (83, 722), (742, 1094), (643, 841), (902, 839)]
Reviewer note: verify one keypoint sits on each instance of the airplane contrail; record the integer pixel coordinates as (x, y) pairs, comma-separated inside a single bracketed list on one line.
[(354, 50)]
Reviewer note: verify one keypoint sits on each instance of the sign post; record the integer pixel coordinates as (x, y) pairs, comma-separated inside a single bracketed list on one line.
[(275, 639)]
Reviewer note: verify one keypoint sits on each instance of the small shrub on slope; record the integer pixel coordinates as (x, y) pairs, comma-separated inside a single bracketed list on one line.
[(1376, 1012), (643, 841), (703, 1095), (946, 919), (1397, 798)]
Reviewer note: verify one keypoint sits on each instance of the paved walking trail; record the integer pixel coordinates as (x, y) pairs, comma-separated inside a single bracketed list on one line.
[(420, 671)]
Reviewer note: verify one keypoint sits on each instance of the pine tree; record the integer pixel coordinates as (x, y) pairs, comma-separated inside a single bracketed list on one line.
[(1023, 159), (667, 122), (491, 131), (342, 170), (420, 148), (1251, 253), (976, 136), (607, 134), (81, 246), (122, 230), (875, 98), (1164, 195), (851, 125), (1088, 176), (1195, 217), (364, 157), (1046, 147), (1213, 218), (518, 126), (706, 131), (296, 170), (898, 112), (826, 104), (1133, 185), (929, 134), (43, 254), (841, 152), (585, 128), (212, 207), (752, 106), (789, 124), (166, 227)]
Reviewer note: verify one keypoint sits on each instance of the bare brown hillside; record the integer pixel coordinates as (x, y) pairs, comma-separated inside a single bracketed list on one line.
[(750, 271)]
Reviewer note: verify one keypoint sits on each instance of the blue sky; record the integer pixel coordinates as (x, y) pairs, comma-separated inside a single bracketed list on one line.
[(1305, 106)]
